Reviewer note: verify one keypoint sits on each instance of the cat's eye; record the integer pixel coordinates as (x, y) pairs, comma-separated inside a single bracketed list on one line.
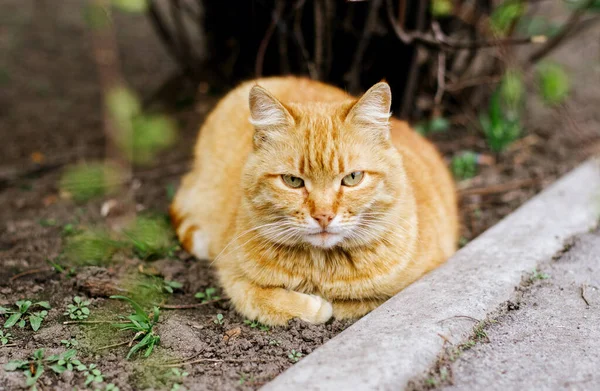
[(292, 181), (353, 179)]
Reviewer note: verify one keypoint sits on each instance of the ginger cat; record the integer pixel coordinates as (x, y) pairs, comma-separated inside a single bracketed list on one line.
[(312, 203)]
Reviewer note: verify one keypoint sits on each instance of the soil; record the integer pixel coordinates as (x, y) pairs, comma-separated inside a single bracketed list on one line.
[(51, 116)]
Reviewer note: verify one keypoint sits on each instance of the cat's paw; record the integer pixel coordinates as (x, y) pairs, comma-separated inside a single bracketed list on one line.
[(318, 310)]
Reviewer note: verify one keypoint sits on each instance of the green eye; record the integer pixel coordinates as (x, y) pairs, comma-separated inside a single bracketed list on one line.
[(353, 179), (292, 181)]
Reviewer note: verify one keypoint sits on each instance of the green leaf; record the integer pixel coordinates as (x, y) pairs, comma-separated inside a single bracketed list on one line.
[(438, 125), (553, 83), (441, 8), (12, 320), (57, 368), (16, 364), (512, 87), (505, 15), (35, 322), (133, 6), (44, 304), (96, 16)]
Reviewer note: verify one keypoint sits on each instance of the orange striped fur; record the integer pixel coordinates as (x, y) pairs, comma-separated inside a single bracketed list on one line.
[(326, 248)]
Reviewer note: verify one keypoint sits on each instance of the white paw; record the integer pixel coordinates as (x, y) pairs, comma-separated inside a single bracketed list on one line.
[(319, 310)]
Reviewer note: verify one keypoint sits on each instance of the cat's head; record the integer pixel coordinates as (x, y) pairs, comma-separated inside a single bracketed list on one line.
[(322, 174)]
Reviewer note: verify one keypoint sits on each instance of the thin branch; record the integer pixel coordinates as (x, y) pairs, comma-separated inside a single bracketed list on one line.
[(556, 40), (319, 31), (262, 49), (29, 272), (188, 306), (441, 81)]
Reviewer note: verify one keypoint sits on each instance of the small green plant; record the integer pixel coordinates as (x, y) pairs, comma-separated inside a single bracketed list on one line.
[(245, 377), (207, 295), (93, 247), (34, 366), (5, 338), (219, 319), (92, 374), (537, 275), (169, 286), (554, 83), (69, 343), (501, 124), (464, 165), (177, 375), (256, 324), (143, 326), (294, 355), (110, 387), (79, 310), (435, 125), (86, 181), (21, 315), (151, 238), (274, 342), (47, 222)]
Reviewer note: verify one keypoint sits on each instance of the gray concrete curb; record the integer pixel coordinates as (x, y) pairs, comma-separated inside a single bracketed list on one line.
[(401, 339)]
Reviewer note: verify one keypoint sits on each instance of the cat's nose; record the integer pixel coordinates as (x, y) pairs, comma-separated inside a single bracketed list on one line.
[(323, 218)]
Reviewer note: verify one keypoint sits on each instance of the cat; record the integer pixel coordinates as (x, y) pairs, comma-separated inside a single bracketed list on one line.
[(312, 203)]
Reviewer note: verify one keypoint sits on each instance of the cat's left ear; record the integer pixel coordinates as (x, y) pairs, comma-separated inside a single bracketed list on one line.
[(269, 116), (373, 109)]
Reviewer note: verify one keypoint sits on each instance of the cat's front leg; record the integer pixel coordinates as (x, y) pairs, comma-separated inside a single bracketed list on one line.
[(272, 305), (351, 309)]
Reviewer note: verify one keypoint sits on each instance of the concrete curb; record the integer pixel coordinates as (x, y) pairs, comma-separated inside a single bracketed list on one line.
[(401, 339)]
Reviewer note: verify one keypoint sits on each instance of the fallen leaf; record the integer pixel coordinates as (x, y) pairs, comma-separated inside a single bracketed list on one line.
[(231, 334)]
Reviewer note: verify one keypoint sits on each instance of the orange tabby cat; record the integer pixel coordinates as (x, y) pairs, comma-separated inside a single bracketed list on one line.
[(313, 203)]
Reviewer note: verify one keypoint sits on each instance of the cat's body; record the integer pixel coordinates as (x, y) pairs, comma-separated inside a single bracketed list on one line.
[(372, 214)]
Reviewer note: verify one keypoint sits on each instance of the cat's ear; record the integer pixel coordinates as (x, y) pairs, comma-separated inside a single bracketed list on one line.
[(267, 114), (372, 110)]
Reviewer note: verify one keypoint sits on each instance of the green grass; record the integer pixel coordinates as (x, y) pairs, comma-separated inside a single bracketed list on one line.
[(255, 324), (142, 325), (5, 337), (207, 295)]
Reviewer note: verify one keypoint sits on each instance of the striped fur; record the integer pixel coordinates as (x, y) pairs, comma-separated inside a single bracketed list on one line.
[(234, 208)]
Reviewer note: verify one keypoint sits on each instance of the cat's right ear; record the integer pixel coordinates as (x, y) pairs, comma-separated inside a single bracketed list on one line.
[(268, 115)]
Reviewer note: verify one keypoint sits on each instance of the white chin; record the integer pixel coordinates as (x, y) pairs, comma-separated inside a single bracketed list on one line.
[(328, 240)]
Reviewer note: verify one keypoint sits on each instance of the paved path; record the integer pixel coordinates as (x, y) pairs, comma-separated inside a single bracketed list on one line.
[(552, 342)]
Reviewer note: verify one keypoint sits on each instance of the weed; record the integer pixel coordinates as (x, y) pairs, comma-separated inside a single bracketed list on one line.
[(142, 324), (151, 238), (160, 286), (464, 165), (5, 338), (294, 355), (537, 275), (207, 295), (34, 366), (92, 374), (69, 343), (502, 123), (219, 320), (256, 324), (274, 342), (245, 377), (94, 247), (169, 286), (86, 181), (47, 222), (177, 375), (18, 316), (79, 310), (111, 387)]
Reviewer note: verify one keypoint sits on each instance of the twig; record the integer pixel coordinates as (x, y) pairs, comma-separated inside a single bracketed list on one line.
[(10, 345), (187, 306), (310, 66), (461, 316), (353, 74), (200, 360), (558, 38), (28, 272), (262, 49), (583, 295), (93, 322), (501, 188), (113, 345), (442, 41), (441, 81), (473, 82)]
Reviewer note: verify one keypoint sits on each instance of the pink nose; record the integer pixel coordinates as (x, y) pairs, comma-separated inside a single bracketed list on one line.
[(323, 218)]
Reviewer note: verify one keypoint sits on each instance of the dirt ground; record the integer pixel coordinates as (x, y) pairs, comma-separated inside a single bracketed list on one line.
[(50, 116)]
